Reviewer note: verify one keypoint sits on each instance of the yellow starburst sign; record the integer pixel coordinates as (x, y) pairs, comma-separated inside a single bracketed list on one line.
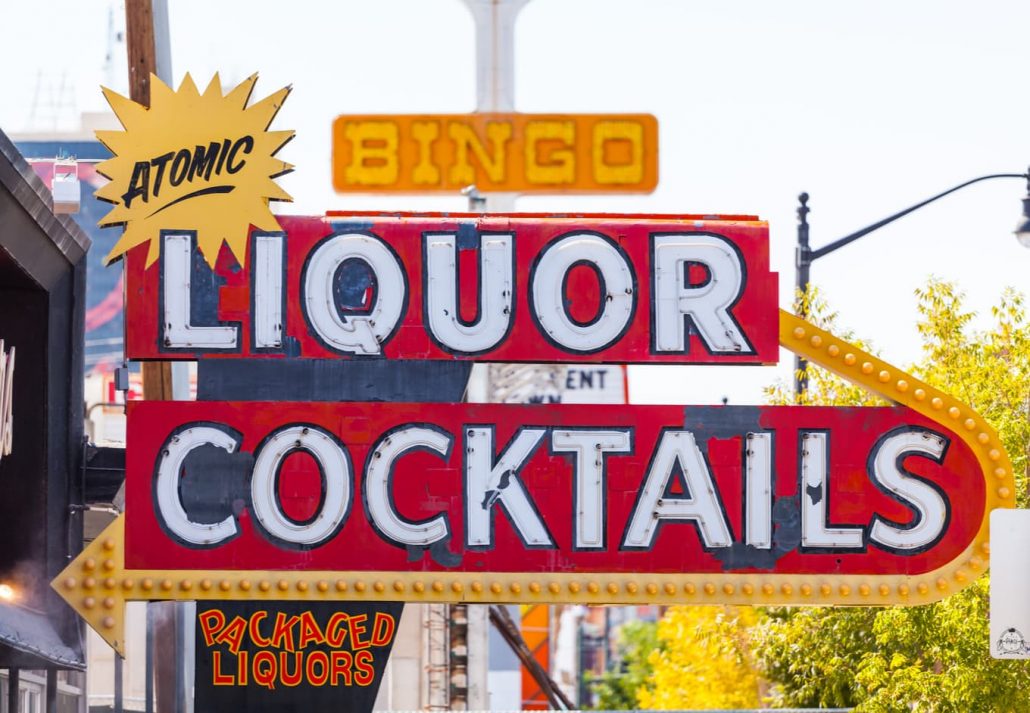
[(199, 162)]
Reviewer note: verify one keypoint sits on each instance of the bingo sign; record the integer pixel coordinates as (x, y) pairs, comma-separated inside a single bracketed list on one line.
[(292, 501), (516, 153)]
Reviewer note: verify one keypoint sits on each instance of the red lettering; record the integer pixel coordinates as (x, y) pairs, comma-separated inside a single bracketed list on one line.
[(291, 679), (322, 660), (233, 634), (283, 630), (357, 627), (364, 672), (242, 665), (335, 632), (382, 629), (266, 667), (211, 622), (255, 633), (217, 677), (310, 631), (341, 661)]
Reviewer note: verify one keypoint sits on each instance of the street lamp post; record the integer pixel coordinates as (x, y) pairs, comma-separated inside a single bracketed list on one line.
[(804, 255)]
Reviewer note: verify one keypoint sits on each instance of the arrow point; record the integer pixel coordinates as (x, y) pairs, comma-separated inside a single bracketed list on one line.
[(94, 584)]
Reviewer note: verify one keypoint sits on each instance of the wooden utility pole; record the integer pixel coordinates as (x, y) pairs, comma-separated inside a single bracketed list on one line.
[(139, 41), (157, 376)]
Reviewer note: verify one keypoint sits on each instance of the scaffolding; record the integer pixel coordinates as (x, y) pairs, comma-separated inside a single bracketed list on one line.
[(436, 646)]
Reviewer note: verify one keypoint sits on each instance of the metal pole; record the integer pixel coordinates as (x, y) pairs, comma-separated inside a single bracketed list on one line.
[(148, 664), (495, 68), (50, 705), (509, 631), (119, 685), (494, 22), (180, 655), (805, 256), (50, 702), (162, 44), (188, 658), (802, 263), (13, 697), (495, 52), (149, 51)]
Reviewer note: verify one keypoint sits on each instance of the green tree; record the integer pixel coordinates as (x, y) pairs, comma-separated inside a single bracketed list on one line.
[(929, 658), (617, 689)]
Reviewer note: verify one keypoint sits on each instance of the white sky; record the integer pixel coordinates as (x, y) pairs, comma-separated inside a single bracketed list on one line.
[(868, 106)]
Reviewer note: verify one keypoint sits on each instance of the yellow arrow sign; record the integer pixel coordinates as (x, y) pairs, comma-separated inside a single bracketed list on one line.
[(97, 584)]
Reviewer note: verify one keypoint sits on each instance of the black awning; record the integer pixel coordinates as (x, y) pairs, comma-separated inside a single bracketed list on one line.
[(65, 242), (32, 642), (42, 285)]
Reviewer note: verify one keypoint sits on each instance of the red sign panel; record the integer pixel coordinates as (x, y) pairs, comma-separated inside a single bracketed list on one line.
[(392, 487), (522, 288)]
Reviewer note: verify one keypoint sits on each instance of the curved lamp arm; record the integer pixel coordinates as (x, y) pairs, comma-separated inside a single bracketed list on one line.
[(837, 244)]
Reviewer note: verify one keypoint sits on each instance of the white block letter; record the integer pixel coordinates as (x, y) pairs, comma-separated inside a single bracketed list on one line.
[(335, 469), (700, 505), (706, 305), (358, 333), (495, 293), (815, 458), (617, 295), (378, 485), (166, 492), (928, 502), (758, 484), (589, 513), (489, 482), (178, 332), (268, 290)]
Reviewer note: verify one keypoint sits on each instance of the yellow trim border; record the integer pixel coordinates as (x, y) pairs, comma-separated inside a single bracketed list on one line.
[(97, 585)]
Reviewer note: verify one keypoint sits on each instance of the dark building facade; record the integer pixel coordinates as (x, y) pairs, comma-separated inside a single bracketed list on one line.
[(42, 311)]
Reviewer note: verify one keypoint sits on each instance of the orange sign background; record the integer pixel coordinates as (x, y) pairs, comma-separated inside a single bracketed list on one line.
[(514, 153)]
